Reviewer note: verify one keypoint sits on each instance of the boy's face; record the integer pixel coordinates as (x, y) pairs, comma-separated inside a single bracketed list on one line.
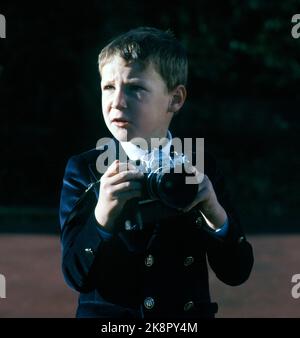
[(135, 100)]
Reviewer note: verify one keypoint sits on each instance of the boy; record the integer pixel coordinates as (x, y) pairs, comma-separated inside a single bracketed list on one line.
[(159, 270)]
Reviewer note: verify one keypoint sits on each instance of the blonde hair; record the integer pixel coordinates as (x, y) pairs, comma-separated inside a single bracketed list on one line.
[(150, 45)]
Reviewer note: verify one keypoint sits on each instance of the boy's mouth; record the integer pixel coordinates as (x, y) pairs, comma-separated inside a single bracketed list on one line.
[(120, 122)]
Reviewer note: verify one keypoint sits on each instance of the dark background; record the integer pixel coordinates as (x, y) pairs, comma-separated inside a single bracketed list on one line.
[(243, 97)]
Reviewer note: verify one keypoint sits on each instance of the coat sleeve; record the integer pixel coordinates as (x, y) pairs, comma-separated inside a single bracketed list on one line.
[(80, 236), (230, 257)]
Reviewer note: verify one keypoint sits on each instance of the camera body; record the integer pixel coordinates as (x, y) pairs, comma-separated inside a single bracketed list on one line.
[(165, 179)]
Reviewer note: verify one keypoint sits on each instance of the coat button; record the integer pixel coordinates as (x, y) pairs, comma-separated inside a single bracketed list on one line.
[(149, 260), (241, 239), (188, 261), (199, 221), (89, 251), (129, 226), (149, 303), (188, 306)]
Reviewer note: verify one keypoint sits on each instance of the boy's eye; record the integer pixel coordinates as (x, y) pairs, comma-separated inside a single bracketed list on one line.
[(136, 87), (108, 87)]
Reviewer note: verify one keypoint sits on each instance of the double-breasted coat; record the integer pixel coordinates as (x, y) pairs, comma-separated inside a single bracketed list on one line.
[(159, 271)]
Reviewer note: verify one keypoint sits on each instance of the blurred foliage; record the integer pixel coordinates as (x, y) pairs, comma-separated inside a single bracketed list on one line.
[(242, 93), (241, 46)]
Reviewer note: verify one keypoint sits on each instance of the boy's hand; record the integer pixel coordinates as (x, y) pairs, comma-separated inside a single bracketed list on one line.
[(119, 184), (213, 212)]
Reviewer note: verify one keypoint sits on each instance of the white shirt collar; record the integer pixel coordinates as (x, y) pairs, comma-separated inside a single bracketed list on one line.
[(136, 153)]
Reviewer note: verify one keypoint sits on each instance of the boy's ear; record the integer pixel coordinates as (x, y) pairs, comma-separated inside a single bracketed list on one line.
[(178, 96)]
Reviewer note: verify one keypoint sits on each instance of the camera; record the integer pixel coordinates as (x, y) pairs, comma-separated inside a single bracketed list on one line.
[(165, 179)]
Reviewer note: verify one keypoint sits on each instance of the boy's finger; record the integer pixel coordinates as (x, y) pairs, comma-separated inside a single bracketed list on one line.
[(124, 176), (112, 169), (190, 169), (131, 166), (127, 195), (126, 186), (116, 167), (199, 176)]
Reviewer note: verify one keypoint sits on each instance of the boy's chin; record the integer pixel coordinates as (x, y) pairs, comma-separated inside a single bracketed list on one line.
[(126, 135), (122, 135)]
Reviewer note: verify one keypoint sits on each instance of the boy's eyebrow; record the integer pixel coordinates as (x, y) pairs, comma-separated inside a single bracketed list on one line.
[(136, 80), (128, 81)]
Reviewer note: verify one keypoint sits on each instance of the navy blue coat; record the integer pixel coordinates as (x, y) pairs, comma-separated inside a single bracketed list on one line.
[(157, 272)]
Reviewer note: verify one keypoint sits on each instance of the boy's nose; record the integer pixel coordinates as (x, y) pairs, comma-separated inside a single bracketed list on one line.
[(119, 100)]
